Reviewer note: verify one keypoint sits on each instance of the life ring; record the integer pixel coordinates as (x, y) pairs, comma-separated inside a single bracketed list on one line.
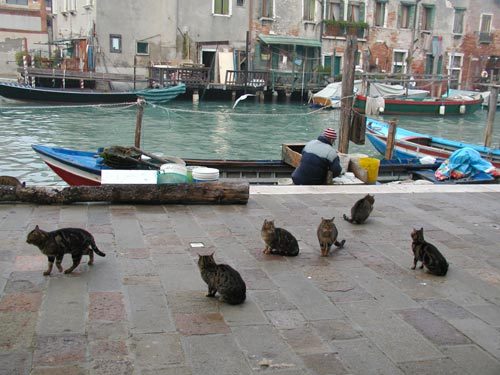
[(484, 74)]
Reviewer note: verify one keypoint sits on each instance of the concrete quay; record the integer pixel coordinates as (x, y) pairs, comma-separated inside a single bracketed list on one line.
[(142, 309)]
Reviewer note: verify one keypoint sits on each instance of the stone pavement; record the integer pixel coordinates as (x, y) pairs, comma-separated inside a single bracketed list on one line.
[(142, 309)]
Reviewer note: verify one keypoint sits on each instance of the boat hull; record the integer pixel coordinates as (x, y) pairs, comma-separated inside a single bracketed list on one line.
[(422, 107)]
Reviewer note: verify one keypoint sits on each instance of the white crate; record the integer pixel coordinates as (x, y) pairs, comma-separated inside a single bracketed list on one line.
[(125, 176)]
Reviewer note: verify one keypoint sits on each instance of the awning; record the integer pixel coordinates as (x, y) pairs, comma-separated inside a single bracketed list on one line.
[(289, 40)]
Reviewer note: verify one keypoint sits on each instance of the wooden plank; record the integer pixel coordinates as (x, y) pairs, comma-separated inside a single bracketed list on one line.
[(290, 156)]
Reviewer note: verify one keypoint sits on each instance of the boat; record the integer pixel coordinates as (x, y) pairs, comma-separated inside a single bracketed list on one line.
[(454, 93), (410, 145), (329, 97), (24, 92), (423, 106)]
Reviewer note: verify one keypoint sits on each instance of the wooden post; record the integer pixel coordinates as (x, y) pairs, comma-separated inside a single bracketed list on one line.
[(391, 134), (492, 108), (138, 122), (347, 92)]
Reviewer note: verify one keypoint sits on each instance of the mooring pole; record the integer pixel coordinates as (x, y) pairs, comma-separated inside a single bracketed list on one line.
[(492, 108), (391, 135), (138, 122), (347, 92)]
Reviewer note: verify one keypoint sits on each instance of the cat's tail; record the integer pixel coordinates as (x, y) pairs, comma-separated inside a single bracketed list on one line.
[(96, 250), (347, 219)]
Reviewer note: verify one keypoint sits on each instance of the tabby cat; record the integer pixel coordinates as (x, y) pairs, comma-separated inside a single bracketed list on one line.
[(278, 241), (55, 244), (361, 210), (327, 236), (222, 278), (11, 181), (428, 254)]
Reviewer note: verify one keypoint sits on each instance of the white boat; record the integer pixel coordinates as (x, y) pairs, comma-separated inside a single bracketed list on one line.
[(453, 93), (330, 96)]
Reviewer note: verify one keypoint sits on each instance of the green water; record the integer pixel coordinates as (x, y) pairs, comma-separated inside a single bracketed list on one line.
[(208, 130)]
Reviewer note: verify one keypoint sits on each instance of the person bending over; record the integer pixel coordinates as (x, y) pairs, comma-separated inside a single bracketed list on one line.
[(318, 157)]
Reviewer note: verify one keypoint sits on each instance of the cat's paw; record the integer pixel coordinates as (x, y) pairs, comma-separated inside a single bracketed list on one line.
[(68, 271), (90, 263), (60, 269), (414, 267), (46, 273)]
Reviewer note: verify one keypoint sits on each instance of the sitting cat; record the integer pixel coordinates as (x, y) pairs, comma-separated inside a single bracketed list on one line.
[(327, 236), (11, 181), (278, 241), (222, 278), (428, 254), (55, 244), (361, 210)]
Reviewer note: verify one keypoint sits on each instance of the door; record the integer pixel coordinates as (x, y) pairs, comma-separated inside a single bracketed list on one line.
[(208, 60)]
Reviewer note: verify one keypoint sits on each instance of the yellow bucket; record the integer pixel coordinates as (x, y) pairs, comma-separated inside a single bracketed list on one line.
[(371, 166)]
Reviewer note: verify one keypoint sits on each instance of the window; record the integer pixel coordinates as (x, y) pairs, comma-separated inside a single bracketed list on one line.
[(142, 48), (240, 3), (17, 2), (458, 21), (399, 61), (334, 10), (379, 17), (267, 8), (356, 11), (455, 69), (485, 26), (427, 17), (309, 8), (221, 7), (115, 43), (429, 64), (406, 15)]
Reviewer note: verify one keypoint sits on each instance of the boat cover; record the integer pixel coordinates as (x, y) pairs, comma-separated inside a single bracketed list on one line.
[(394, 91), (462, 163)]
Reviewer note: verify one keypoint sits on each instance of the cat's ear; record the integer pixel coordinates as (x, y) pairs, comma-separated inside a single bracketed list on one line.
[(212, 255), (333, 218), (422, 229), (36, 227)]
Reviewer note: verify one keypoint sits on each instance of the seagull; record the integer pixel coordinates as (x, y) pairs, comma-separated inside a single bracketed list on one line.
[(242, 97)]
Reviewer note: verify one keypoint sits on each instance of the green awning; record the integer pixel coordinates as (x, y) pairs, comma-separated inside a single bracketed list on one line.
[(289, 40)]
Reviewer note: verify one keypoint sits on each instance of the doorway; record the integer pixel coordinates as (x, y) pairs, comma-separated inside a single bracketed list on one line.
[(208, 60)]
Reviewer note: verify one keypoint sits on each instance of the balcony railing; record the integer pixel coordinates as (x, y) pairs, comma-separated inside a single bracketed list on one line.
[(192, 77), (252, 78), (342, 29)]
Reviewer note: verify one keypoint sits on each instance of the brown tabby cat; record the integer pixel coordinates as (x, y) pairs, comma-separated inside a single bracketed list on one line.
[(361, 210), (428, 254), (327, 236), (11, 181), (278, 241), (222, 278), (55, 244)]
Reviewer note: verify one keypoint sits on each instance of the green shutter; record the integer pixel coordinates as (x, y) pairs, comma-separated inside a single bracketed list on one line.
[(411, 16), (328, 63), (433, 12), (362, 12), (225, 6), (400, 14), (342, 7)]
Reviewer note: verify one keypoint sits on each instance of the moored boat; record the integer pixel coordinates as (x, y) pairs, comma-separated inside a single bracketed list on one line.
[(17, 91), (409, 144)]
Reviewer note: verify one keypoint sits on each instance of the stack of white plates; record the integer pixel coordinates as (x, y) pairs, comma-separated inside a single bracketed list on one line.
[(202, 174)]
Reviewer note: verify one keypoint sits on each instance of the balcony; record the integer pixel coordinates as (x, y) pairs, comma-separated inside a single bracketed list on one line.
[(485, 38), (343, 28)]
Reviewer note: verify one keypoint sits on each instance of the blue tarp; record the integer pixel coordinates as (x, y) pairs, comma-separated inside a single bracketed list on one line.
[(462, 163)]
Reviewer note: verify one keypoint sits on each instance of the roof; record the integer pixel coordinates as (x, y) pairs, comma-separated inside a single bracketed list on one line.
[(290, 40)]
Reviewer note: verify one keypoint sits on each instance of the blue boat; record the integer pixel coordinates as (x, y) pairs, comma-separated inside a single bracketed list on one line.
[(24, 92), (410, 145)]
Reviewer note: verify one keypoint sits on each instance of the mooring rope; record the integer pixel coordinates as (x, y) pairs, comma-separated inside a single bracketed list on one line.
[(99, 106)]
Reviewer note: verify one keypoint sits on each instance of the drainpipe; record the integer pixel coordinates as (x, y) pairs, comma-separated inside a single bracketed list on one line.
[(413, 35), (249, 36)]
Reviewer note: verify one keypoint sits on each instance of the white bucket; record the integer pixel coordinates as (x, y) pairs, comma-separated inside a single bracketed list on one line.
[(202, 174), (172, 173)]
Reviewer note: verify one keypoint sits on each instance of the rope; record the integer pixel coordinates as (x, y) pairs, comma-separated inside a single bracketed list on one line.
[(36, 107)]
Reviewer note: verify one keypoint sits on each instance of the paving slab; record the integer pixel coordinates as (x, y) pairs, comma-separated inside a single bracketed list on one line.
[(473, 359)]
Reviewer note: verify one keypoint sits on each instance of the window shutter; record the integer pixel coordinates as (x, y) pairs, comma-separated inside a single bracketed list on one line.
[(432, 16), (411, 16), (362, 12), (400, 14), (349, 13), (225, 6), (341, 16)]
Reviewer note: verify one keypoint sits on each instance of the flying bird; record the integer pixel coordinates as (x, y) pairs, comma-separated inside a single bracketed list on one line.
[(242, 97)]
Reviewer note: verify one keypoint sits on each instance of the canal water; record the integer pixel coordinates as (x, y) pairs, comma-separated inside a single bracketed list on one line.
[(179, 128)]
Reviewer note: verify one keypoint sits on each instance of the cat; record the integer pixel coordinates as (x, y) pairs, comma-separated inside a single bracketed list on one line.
[(278, 241), (428, 254), (327, 236), (361, 210), (222, 278), (55, 244), (11, 181)]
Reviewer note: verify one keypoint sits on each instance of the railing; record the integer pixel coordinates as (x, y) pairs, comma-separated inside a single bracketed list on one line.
[(333, 30), (253, 78), (485, 37), (192, 77), (296, 80)]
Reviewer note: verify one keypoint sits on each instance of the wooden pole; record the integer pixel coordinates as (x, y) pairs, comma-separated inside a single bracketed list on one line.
[(492, 108), (138, 122), (347, 92), (391, 135)]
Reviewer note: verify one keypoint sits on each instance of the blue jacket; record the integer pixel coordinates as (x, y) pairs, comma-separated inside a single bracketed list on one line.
[(318, 156)]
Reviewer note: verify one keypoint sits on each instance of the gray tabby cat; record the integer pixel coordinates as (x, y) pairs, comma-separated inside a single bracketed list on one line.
[(222, 278), (428, 254), (361, 210), (278, 241), (55, 244), (327, 236)]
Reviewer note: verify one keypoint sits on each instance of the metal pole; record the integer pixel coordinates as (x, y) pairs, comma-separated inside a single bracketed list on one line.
[(247, 40)]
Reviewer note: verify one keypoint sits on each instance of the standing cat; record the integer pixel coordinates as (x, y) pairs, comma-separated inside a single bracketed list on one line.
[(428, 254), (222, 278), (327, 236), (55, 244), (278, 241), (11, 181), (361, 210)]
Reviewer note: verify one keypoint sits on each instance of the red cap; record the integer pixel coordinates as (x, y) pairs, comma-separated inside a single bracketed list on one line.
[(330, 133)]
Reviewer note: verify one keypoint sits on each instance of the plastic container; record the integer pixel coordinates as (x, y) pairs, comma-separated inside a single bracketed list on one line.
[(190, 172), (204, 174), (371, 166), (172, 174)]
